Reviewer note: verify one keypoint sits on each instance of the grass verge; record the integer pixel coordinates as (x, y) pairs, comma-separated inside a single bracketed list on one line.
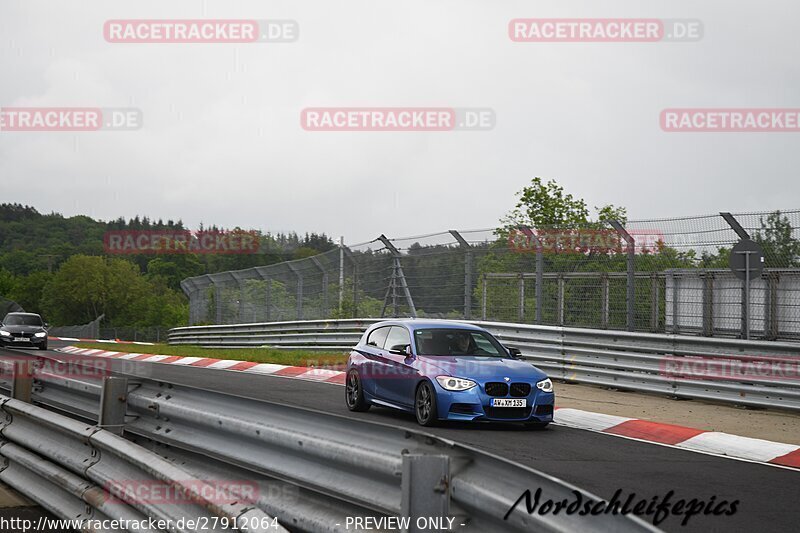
[(256, 355)]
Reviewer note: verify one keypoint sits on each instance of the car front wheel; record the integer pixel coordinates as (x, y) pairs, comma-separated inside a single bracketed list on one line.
[(354, 393), (425, 405)]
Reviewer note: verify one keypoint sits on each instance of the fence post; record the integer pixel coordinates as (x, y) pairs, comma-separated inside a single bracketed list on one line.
[(483, 297), (708, 302), (743, 235), (341, 275), (299, 291), (771, 318), (631, 283), (560, 300), (398, 273), (521, 311), (324, 286), (674, 302), (218, 302), (355, 289), (467, 273), (240, 283), (604, 296), (268, 299), (654, 302)]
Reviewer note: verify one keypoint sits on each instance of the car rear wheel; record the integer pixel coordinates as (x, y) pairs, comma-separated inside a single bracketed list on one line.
[(425, 405), (354, 393)]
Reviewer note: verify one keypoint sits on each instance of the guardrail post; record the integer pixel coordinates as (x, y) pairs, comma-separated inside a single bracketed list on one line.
[(113, 404), (467, 273), (22, 380), (631, 283), (425, 488)]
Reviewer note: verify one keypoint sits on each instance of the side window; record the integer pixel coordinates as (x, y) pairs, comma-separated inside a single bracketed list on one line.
[(398, 338), (378, 337)]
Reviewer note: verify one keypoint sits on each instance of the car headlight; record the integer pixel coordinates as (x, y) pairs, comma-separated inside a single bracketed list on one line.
[(4, 333), (545, 385), (455, 384), (40, 334)]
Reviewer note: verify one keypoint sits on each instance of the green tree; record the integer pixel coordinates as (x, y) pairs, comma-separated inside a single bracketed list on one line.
[(776, 236), (545, 204)]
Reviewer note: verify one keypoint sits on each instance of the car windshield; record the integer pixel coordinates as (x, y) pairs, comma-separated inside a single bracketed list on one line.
[(452, 341), (22, 320)]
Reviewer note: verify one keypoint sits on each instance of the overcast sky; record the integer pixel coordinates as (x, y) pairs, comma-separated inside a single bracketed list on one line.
[(222, 143)]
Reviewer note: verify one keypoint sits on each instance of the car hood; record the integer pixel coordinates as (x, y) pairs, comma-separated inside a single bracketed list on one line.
[(23, 329), (479, 368)]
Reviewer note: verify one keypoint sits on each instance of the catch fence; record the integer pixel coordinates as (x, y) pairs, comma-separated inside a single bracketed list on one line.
[(661, 276)]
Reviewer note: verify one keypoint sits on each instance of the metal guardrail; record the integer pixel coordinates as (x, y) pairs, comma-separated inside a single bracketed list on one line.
[(313, 470), (646, 362), (71, 468)]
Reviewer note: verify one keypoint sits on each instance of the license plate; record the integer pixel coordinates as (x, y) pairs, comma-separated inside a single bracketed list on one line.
[(20, 339), (509, 402)]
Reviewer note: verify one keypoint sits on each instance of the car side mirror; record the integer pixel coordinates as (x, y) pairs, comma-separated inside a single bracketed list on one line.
[(401, 349), (46, 325), (515, 353)]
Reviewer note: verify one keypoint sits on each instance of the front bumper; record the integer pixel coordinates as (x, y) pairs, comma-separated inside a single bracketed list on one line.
[(475, 404), (26, 341)]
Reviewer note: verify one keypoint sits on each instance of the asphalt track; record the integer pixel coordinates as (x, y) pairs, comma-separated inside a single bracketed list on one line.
[(769, 497)]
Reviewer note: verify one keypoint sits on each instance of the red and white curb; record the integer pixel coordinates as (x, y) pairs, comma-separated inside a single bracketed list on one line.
[(298, 372), (110, 341), (697, 440)]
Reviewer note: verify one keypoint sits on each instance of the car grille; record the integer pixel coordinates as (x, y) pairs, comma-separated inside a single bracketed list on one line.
[(496, 388), (23, 335), (543, 410), (520, 389), (507, 413)]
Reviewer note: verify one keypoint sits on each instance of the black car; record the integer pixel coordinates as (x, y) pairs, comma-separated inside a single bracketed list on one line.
[(23, 329)]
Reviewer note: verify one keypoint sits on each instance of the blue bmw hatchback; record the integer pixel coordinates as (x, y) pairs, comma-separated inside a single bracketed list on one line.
[(442, 370)]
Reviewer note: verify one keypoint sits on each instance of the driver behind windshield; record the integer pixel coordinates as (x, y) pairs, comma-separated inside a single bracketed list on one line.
[(462, 344)]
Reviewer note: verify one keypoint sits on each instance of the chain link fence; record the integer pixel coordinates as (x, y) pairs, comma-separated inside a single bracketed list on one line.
[(662, 276)]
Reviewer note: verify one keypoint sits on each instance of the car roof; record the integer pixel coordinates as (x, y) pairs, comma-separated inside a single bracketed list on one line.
[(414, 324), (22, 314)]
